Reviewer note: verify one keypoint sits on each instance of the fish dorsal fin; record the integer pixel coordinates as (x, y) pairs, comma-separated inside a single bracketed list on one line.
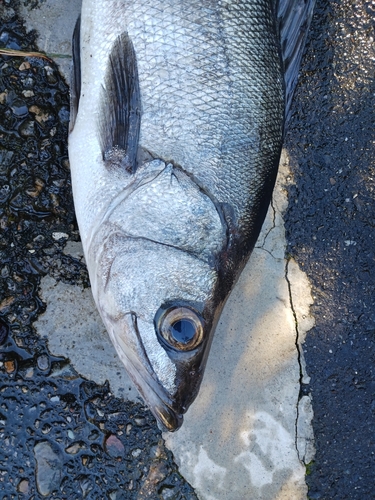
[(75, 84), (294, 17), (120, 112)]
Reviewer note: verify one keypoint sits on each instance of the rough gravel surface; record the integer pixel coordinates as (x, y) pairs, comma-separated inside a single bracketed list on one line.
[(330, 228)]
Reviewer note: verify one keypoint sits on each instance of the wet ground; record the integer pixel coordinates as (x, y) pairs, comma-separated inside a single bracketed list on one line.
[(330, 229)]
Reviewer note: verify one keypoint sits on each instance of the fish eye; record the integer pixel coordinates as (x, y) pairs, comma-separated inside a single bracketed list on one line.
[(181, 328)]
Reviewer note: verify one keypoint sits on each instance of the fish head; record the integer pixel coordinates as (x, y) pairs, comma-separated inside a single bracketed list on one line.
[(155, 282)]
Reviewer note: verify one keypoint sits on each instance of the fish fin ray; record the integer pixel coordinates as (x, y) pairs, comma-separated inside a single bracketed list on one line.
[(75, 84), (294, 17), (120, 113)]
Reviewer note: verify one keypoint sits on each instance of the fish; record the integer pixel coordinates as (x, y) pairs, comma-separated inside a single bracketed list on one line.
[(178, 113)]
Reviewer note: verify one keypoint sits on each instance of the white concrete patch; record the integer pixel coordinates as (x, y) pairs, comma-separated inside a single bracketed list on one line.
[(239, 438), (75, 330)]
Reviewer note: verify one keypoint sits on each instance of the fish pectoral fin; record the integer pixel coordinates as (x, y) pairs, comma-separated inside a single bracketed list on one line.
[(75, 84), (120, 108)]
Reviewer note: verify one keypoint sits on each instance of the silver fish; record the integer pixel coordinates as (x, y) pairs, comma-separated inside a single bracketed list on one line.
[(177, 121)]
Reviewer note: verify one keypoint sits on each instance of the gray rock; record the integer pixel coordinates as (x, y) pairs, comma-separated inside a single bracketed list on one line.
[(49, 466)]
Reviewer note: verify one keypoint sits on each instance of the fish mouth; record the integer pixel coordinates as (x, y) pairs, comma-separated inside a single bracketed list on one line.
[(133, 355)]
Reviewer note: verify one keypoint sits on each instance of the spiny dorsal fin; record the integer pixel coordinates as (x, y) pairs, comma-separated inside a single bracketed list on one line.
[(294, 17), (120, 112)]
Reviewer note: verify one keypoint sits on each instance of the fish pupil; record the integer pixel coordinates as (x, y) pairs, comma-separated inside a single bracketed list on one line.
[(183, 331)]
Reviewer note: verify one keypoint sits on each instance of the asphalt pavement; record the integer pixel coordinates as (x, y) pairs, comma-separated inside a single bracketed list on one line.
[(330, 231)]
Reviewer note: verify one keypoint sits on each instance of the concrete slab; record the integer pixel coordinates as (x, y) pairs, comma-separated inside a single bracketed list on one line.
[(75, 331), (240, 439), (54, 20)]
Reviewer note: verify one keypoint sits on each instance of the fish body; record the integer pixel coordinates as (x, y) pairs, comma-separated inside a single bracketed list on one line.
[(178, 116)]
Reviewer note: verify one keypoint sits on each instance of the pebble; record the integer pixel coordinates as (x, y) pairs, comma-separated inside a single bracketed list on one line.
[(4, 304), (19, 108), (43, 362), (113, 446), (24, 66), (49, 466), (86, 486), (23, 486), (169, 493), (40, 115), (75, 448), (59, 236), (3, 97), (10, 366), (27, 128)]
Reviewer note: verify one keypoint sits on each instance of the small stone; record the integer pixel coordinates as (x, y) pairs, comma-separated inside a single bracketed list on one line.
[(10, 365), (43, 362), (46, 428), (136, 452), (28, 93), (24, 66), (86, 486), (140, 421), (3, 97), (49, 466), (114, 447), (40, 115), (23, 486), (35, 191), (29, 373), (59, 236), (75, 448), (158, 471), (27, 128), (19, 108), (169, 493), (4, 304)]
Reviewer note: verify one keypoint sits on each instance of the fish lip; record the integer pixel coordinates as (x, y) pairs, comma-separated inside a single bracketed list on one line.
[(162, 406), (168, 418)]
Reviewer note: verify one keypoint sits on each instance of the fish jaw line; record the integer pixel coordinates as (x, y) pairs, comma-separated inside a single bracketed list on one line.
[(143, 376)]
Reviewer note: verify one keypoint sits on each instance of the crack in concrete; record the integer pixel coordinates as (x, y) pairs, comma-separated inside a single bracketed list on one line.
[(273, 226), (298, 348)]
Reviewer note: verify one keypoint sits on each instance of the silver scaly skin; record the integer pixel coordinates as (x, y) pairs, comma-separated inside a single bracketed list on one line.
[(176, 132)]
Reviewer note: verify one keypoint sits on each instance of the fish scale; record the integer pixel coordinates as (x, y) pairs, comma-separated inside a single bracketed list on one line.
[(178, 112), (210, 83)]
